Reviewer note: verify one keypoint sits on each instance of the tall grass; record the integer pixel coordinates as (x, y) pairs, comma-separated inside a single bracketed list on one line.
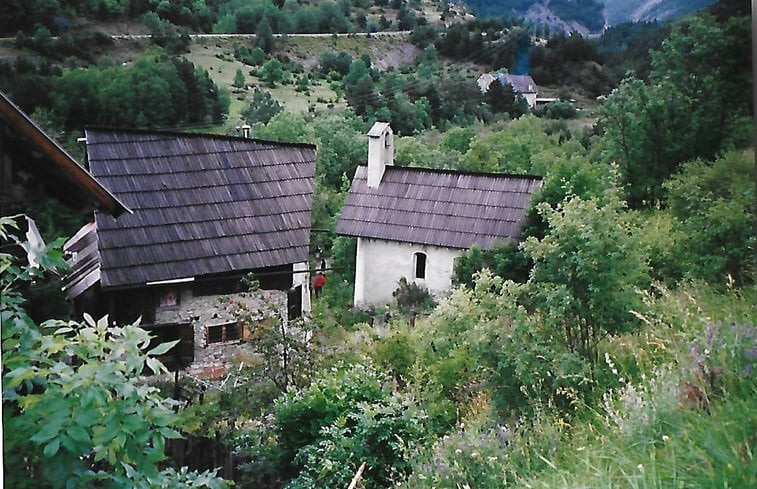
[(685, 411), (679, 410)]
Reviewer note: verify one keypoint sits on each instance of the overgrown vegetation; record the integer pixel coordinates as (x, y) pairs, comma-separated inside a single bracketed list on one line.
[(76, 412), (614, 346)]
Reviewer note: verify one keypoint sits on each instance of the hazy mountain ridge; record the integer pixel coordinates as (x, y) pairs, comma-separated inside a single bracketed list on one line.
[(586, 16), (619, 11)]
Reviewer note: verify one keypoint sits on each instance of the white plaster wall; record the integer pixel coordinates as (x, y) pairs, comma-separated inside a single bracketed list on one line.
[(301, 276), (530, 99), (380, 265)]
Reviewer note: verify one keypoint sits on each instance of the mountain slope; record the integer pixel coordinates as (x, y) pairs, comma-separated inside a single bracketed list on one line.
[(581, 15), (619, 11), (585, 16)]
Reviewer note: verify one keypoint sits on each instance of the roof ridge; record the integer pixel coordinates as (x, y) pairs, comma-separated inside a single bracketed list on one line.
[(159, 132), (461, 172)]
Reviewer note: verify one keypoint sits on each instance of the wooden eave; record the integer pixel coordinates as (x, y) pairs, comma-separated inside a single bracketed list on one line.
[(17, 119)]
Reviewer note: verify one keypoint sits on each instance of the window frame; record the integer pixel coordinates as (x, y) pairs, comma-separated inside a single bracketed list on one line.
[(237, 329), (420, 264)]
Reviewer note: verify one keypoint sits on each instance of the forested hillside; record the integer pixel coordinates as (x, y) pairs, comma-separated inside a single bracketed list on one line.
[(219, 16), (615, 345)]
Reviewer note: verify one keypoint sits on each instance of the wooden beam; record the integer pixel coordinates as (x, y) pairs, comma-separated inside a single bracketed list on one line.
[(358, 477)]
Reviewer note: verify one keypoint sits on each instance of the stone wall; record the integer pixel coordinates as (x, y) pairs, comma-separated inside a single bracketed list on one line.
[(213, 360)]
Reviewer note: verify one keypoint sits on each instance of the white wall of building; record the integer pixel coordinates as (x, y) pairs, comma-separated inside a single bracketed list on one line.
[(301, 276), (530, 99), (380, 264)]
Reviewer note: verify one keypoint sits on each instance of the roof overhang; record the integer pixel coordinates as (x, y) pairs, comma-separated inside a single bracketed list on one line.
[(58, 157)]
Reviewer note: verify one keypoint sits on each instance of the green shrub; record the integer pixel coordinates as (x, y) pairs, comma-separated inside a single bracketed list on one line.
[(714, 204), (396, 353), (261, 108), (412, 297), (560, 109), (300, 415), (383, 434)]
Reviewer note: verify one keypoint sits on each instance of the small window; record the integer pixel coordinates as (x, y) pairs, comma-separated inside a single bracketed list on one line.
[(222, 333), (420, 265)]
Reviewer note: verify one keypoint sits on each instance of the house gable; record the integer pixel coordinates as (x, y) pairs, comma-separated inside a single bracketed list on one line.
[(203, 204), (437, 207), (415, 222)]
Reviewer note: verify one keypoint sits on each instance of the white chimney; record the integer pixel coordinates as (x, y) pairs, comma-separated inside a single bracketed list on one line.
[(380, 152), (246, 131)]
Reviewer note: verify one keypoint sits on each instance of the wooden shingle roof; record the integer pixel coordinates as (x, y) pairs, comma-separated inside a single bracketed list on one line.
[(436, 207), (203, 204)]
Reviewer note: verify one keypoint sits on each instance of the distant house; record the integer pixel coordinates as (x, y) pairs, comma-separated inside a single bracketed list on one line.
[(207, 210), (414, 222), (33, 167), (522, 85)]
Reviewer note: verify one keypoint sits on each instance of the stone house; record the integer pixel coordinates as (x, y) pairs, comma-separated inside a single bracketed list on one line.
[(414, 222), (207, 211), (523, 85)]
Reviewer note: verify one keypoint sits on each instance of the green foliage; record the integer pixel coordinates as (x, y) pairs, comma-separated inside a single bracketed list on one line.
[(410, 151), (586, 271), (341, 148), (338, 63), (504, 260), (638, 122), (75, 411), (262, 108), (286, 127), (264, 36), (511, 150), (713, 204), (562, 109), (239, 81), (502, 99), (382, 434), (411, 296), (301, 415), (570, 61), (343, 256), (396, 353), (625, 47), (483, 343), (432, 96), (505, 37), (685, 421), (286, 350), (567, 177), (272, 72), (152, 92), (692, 107), (485, 455), (165, 34), (458, 139)]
